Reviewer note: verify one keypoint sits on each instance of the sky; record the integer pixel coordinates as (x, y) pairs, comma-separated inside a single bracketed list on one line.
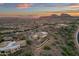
[(38, 9)]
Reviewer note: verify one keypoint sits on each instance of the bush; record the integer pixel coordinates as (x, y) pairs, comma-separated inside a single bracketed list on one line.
[(46, 48), (23, 38), (46, 53), (29, 53), (1, 40), (29, 42)]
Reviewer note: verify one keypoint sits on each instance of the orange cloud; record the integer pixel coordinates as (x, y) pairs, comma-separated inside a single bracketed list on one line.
[(23, 5), (74, 6)]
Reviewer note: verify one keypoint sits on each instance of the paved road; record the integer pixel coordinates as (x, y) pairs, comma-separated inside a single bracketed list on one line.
[(76, 40)]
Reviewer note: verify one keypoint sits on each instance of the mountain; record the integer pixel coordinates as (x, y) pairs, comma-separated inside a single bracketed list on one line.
[(57, 16), (30, 19), (65, 15)]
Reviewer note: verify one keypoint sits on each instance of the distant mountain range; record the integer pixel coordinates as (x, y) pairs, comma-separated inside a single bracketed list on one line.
[(35, 16), (30, 18), (55, 16)]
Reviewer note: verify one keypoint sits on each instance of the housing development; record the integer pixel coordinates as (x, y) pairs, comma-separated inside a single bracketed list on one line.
[(47, 31)]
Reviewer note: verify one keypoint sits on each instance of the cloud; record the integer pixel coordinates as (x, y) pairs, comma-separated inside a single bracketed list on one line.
[(23, 5), (74, 6), (69, 6), (2, 4)]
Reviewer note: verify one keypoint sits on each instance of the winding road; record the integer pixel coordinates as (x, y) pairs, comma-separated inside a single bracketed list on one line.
[(76, 38)]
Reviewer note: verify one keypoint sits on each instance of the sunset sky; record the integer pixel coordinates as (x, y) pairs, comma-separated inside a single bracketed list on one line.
[(38, 9)]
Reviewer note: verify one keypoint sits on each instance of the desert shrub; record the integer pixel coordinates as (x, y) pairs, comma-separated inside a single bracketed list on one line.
[(1, 40), (46, 53), (46, 48), (29, 42), (28, 53)]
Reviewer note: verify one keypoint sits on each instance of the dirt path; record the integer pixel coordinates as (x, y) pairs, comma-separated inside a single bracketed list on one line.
[(38, 49)]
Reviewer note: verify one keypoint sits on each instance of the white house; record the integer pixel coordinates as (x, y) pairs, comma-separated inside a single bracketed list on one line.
[(40, 35)]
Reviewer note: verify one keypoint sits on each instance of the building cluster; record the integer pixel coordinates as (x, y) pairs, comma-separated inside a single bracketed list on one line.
[(14, 39)]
